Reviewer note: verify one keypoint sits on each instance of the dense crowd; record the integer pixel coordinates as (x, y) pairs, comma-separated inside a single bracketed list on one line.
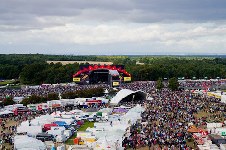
[(145, 86), (8, 130), (167, 117), (164, 122), (44, 90), (201, 83)]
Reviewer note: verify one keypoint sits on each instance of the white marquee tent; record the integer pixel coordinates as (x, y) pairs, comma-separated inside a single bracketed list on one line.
[(22, 142), (122, 94)]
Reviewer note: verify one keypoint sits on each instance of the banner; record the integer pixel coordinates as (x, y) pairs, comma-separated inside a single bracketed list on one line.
[(115, 83), (127, 78), (76, 79)]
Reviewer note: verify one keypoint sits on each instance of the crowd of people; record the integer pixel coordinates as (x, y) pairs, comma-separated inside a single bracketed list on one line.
[(167, 117), (44, 90), (164, 122), (9, 127), (201, 83), (146, 86), (7, 132)]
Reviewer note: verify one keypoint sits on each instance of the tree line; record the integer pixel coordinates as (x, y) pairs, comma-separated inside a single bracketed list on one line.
[(33, 69), (87, 93), (39, 73), (35, 99)]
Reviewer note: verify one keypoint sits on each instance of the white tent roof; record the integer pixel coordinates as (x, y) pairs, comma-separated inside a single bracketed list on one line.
[(44, 119), (106, 110), (6, 112), (150, 98), (30, 130), (122, 94), (124, 107), (106, 91), (25, 142)]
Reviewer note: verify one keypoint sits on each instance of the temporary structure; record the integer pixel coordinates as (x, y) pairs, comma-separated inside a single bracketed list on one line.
[(22, 142), (30, 130), (6, 112), (120, 110), (124, 93)]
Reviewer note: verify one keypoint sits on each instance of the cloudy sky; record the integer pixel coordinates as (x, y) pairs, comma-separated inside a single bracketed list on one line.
[(113, 27)]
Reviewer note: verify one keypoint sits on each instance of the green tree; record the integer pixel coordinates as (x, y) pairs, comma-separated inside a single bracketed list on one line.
[(95, 92), (70, 95), (159, 84), (33, 69), (33, 74), (8, 101), (25, 101), (173, 84), (52, 96), (34, 99)]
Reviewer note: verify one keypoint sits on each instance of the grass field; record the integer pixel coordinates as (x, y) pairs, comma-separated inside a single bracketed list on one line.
[(82, 128), (10, 84), (5, 82), (70, 140), (86, 125), (81, 62)]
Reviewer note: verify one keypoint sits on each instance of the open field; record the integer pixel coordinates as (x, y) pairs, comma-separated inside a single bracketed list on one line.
[(5, 82), (86, 125), (81, 62)]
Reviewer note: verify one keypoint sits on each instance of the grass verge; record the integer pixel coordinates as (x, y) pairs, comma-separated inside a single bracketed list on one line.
[(87, 124), (2, 83), (70, 141)]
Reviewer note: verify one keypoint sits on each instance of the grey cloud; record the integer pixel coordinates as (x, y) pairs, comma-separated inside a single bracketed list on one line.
[(59, 7), (25, 12), (180, 10)]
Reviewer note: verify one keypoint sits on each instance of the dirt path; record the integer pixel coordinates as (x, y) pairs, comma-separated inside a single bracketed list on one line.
[(8, 123)]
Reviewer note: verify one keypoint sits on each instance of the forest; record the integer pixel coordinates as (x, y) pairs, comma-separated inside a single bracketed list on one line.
[(33, 68)]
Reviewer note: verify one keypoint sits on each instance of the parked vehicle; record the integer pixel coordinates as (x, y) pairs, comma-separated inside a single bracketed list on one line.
[(21, 110), (48, 126), (80, 122), (91, 118), (62, 124), (45, 137), (84, 117)]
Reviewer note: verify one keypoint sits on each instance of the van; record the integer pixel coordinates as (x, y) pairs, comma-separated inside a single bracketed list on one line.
[(56, 131), (45, 137), (91, 118), (48, 126), (62, 124), (98, 118)]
